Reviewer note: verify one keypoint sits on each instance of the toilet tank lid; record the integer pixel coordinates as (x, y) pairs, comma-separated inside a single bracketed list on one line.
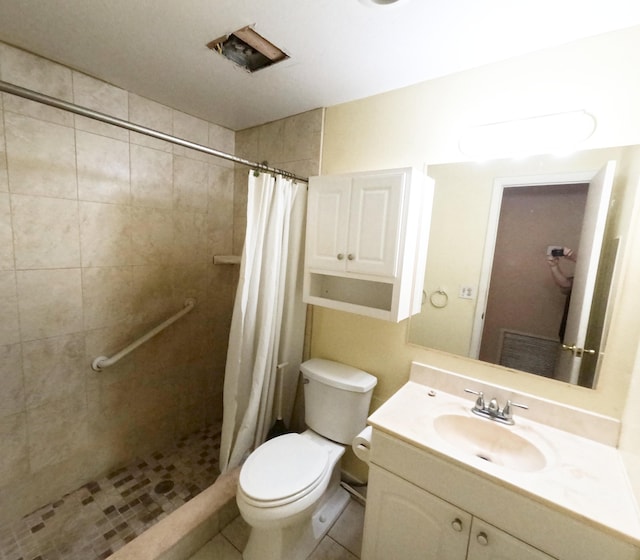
[(338, 375)]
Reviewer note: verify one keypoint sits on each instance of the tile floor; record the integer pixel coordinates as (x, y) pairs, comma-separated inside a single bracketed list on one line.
[(343, 541), (95, 520)]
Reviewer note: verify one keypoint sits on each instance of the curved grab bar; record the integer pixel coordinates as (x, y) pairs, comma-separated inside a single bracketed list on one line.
[(102, 362)]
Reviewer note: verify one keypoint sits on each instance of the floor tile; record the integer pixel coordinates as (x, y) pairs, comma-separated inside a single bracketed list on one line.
[(217, 548), (347, 530), (102, 516)]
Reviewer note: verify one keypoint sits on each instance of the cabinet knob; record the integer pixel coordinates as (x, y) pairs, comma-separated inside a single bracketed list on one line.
[(457, 524), (350, 256), (340, 256), (482, 538)]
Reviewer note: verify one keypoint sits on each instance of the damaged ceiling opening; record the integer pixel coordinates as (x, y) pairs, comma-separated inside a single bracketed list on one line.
[(248, 49)]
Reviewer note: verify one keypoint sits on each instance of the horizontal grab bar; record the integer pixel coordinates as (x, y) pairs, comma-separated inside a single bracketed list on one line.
[(102, 362)]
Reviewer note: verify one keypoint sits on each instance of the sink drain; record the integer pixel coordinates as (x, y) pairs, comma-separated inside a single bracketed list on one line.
[(163, 487), (484, 458)]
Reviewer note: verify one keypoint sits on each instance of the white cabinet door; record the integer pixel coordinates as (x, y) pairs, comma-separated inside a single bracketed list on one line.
[(404, 522), (354, 223), (328, 222), (489, 543), (375, 224)]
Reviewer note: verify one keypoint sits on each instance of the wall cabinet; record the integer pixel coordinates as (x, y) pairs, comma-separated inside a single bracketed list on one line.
[(366, 242), (405, 521)]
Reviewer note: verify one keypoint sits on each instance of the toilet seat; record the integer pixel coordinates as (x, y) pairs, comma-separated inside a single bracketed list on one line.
[(282, 470)]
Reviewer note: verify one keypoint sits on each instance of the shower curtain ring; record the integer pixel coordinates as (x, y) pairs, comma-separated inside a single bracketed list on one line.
[(262, 165)]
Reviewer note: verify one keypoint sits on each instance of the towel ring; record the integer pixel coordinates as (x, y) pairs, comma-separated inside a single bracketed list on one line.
[(439, 299)]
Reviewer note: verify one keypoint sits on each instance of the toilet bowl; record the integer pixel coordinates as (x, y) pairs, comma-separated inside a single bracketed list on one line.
[(289, 489), (289, 494)]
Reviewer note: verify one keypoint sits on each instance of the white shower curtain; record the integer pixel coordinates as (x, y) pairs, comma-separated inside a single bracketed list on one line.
[(267, 285)]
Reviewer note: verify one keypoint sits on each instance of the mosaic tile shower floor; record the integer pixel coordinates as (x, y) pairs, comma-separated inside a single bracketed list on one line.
[(92, 522)]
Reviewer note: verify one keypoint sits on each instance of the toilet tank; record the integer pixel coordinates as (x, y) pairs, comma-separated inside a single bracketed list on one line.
[(336, 398)]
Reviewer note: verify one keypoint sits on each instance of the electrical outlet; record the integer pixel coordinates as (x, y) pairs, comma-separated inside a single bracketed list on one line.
[(466, 292)]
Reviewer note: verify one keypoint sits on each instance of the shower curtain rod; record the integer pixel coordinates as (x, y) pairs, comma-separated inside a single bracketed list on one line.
[(96, 115)]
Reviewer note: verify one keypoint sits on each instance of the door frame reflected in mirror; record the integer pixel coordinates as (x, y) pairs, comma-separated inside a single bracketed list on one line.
[(557, 364)]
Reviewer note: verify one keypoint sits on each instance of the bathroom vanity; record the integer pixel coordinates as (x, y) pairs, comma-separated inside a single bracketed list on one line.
[(447, 484)]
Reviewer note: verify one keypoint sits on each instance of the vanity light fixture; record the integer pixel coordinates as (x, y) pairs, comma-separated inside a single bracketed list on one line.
[(248, 49), (555, 133)]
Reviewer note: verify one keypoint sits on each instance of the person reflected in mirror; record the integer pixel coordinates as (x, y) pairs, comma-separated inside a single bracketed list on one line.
[(563, 281)]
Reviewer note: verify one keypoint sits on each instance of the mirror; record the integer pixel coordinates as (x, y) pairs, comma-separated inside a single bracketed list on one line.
[(458, 314)]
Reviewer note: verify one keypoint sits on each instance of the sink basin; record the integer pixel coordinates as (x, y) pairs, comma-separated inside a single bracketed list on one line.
[(491, 442)]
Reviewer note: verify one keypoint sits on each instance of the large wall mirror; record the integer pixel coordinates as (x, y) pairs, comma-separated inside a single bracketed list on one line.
[(490, 290)]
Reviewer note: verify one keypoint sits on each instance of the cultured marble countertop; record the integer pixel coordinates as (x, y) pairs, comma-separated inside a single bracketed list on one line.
[(583, 478)]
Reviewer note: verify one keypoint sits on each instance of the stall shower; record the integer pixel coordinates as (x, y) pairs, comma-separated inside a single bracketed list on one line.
[(104, 233)]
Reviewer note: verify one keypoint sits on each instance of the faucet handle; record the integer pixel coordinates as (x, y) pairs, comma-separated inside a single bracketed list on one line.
[(508, 413), (479, 401)]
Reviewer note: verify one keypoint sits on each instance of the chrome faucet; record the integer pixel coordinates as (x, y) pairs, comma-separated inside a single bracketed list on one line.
[(493, 410)]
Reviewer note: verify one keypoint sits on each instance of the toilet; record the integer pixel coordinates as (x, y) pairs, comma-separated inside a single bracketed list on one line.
[(289, 489)]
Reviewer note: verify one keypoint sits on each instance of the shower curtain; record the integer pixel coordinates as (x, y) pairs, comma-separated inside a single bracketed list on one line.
[(267, 326)]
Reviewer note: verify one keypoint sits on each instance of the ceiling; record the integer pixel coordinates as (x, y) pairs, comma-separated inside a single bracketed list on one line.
[(340, 50)]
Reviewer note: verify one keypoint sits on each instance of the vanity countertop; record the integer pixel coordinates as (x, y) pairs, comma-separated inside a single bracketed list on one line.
[(583, 478)]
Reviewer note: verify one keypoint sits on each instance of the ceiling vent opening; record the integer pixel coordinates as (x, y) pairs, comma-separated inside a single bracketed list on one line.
[(248, 49)]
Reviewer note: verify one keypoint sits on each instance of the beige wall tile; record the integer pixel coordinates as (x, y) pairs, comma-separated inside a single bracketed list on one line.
[(190, 281), (151, 115), (105, 234), (57, 429), (107, 294), (247, 143), (154, 299), (189, 237), (41, 157), (53, 368), (223, 140), (14, 459), (6, 234), (271, 142), (103, 169), (151, 235), (105, 98), (50, 302), (192, 129), (12, 395), (190, 181), (10, 324), (302, 136), (32, 72), (4, 179), (45, 232), (220, 195), (151, 177)]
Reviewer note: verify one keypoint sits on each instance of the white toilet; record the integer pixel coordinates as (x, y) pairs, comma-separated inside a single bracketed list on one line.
[(289, 488)]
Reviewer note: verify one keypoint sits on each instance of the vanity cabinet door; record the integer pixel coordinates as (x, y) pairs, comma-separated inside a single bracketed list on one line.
[(403, 521), (489, 543)]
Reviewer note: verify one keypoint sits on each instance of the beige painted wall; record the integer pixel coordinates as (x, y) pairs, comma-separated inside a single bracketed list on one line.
[(421, 124)]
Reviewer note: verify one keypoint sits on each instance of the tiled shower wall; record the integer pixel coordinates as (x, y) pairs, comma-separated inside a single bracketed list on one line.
[(103, 234), (293, 144)]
